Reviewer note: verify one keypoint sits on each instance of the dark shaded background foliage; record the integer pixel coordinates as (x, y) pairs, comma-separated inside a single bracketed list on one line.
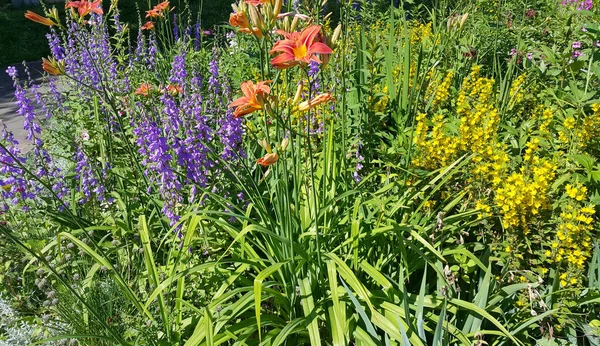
[(24, 40)]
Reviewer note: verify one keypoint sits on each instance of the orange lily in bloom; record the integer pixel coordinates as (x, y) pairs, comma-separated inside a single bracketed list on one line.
[(162, 6), (84, 7), (268, 159), (315, 101), (257, 2), (39, 19), (174, 89), (253, 99), (299, 48), (52, 66), (144, 89), (157, 11), (239, 20), (148, 26)]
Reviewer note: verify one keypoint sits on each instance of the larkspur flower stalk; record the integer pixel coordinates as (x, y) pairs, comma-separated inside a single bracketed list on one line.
[(231, 134), (89, 183), (178, 71), (152, 50), (12, 177), (56, 48), (155, 150), (214, 85), (140, 47), (313, 74), (175, 28), (25, 108)]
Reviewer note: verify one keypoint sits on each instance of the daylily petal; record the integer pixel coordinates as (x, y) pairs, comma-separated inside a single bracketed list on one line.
[(320, 48)]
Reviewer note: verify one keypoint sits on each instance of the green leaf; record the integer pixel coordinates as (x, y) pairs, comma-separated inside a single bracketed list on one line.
[(258, 291), (310, 313)]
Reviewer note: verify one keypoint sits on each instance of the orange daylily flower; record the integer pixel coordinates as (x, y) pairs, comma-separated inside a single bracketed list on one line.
[(162, 6), (39, 19), (52, 66), (315, 101), (268, 159), (157, 11), (174, 89), (148, 26), (84, 7), (253, 99), (144, 89), (299, 48), (258, 2), (239, 20)]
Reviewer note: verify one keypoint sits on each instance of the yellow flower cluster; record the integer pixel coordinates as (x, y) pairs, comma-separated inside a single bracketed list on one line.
[(546, 120), (479, 120), (525, 193), (420, 32), (573, 241), (483, 208), (436, 149), (516, 90), (442, 91), (589, 130), (569, 123), (478, 116)]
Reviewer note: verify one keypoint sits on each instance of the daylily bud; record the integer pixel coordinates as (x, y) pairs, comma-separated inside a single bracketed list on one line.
[(265, 145), (294, 24), (286, 24), (284, 144), (268, 108), (39, 19), (53, 67), (450, 23), (268, 159), (298, 92), (336, 35), (463, 19), (306, 105), (256, 17), (277, 9)]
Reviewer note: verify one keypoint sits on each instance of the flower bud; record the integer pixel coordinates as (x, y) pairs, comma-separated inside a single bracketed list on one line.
[(336, 35)]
